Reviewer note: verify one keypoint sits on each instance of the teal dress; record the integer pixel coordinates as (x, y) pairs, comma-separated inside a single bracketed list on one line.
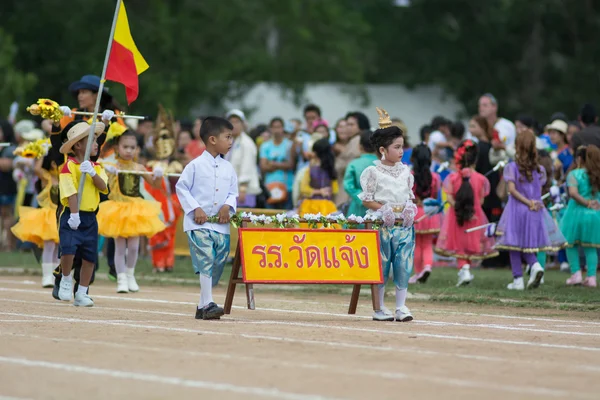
[(352, 183), (579, 224)]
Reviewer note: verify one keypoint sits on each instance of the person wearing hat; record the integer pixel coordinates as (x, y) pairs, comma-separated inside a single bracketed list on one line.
[(78, 227), (243, 156), (558, 136)]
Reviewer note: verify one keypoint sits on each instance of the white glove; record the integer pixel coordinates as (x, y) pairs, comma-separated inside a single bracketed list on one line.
[(107, 115), (158, 171), (74, 221), (111, 169), (87, 168), (66, 111)]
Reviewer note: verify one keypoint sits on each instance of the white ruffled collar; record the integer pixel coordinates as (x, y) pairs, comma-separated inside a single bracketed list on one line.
[(393, 170)]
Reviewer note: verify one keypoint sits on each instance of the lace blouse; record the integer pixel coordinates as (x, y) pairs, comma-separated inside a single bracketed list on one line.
[(385, 184)]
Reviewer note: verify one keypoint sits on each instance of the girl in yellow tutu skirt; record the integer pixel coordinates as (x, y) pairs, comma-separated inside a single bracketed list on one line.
[(38, 225), (126, 215), (319, 183)]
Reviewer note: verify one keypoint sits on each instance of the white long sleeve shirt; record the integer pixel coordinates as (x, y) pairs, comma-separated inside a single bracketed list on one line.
[(243, 157), (209, 183)]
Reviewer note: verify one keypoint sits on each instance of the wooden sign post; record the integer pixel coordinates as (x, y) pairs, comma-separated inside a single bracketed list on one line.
[(306, 256)]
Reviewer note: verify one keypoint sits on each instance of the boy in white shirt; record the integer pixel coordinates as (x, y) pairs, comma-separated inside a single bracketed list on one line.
[(208, 191)]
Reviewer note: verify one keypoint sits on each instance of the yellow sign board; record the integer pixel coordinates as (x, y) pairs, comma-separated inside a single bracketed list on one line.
[(310, 256)]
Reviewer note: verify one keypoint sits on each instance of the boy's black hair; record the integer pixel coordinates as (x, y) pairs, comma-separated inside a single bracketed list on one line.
[(365, 141), (457, 130), (424, 131), (277, 119), (312, 107), (213, 126), (588, 114)]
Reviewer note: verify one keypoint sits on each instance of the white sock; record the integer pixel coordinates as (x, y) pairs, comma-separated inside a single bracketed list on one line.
[(205, 291), (67, 278), (82, 289), (381, 296), (400, 297)]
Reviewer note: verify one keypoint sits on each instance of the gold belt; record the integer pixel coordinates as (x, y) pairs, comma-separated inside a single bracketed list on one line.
[(398, 209)]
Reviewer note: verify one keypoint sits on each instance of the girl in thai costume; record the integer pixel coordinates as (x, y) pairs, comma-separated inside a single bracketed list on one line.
[(387, 194), (38, 225), (126, 216), (319, 183)]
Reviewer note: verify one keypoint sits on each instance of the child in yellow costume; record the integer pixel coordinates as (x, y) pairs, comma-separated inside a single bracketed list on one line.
[(319, 183), (38, 225), (127, 215)]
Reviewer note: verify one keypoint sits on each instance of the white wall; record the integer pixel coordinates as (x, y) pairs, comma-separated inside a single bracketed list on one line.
[(414, 107)]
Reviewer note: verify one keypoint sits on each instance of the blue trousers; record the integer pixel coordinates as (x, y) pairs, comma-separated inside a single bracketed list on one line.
[(397, 254), (209, 251)]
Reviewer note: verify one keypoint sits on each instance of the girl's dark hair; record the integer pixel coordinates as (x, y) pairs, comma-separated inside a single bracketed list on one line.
[(546, 162), (457, 130), (527, 155), (127, 133), (421, 161), (385, 137), (592, 166), (324, 153), (110, 103), (365, 141), (581, 152), (8, 132), (464, 205), (424, 131), (276, 119)]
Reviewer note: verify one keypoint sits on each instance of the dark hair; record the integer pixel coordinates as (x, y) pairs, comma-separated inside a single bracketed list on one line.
[(592, 166), (581, 152), (559, 115), (385, 137), (527, 155), (365, 141), (546, 162), (424, 131), (531, 123), (324, 153), (8, 132), (421, 161), (117, 139), (439, 121), (574, 123), (464, 205), (110, 103), (588, 114), (277, 119), (457, 130), (257, 131), (213, 126), (312, 107), (361, 119)]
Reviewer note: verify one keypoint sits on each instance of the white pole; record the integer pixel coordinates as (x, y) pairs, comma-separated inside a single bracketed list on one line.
[(90, 143)]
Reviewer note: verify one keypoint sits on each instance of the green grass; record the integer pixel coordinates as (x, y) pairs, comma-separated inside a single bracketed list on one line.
[(488, 287)]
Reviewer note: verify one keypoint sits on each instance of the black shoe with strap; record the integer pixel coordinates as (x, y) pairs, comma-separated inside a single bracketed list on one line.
[(212, 311)]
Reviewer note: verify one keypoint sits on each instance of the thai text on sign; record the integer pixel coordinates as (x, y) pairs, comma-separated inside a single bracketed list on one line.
[(310, 256)]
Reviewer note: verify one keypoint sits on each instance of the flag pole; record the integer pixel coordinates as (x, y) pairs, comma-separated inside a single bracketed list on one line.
[(91, 140)]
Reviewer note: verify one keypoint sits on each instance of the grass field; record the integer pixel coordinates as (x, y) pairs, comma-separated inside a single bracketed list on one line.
[(488, 288)]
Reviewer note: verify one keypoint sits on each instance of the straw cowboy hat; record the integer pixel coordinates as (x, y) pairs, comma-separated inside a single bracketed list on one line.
[(78, 132)]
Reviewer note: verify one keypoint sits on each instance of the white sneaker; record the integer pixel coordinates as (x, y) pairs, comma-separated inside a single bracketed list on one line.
[(381, 316), (122, 283), (131, 282), (386, 310), (517, 284), (464, 276), (83, 300), (403, 314), (564, 267), (536, 276), (48, 281), (65, 291)]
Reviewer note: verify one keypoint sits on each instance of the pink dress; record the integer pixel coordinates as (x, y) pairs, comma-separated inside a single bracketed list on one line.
[(429, 225), (453, 241)]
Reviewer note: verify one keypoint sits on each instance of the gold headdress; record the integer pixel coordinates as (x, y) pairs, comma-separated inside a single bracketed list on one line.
[(384, 118), (164, 137)]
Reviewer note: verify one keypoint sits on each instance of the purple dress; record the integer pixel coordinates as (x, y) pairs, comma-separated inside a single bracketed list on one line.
[(521, 229)]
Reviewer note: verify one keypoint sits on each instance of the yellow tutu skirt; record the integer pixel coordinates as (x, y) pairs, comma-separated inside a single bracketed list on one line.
[(309, 206), (135, 217), (36, 225)]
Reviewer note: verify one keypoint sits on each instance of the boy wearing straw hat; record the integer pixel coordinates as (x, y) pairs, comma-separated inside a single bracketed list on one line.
[(78, 227)]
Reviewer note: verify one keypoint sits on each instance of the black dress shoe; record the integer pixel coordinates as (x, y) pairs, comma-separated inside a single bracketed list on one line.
[(213, 311), (199, 313)]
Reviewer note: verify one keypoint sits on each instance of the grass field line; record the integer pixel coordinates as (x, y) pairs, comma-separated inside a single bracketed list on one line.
[(319, 313), (166, 380), (320, 326)]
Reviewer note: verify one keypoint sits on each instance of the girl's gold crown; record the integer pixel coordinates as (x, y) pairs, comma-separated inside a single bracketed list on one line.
[(384, 118)]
